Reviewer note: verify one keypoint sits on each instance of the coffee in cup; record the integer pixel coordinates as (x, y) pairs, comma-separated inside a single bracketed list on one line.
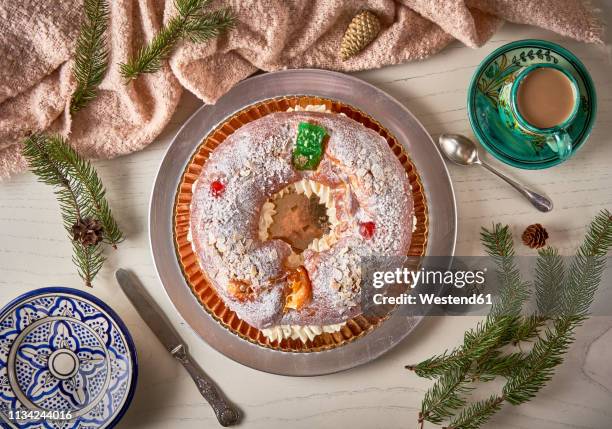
[(545, 98), (538, 103)]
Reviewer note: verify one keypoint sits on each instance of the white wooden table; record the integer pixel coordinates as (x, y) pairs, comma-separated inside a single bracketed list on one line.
[(34, 252)]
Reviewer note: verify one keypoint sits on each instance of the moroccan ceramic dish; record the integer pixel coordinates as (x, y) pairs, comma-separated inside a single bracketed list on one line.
[(66, 361), (485, 96)]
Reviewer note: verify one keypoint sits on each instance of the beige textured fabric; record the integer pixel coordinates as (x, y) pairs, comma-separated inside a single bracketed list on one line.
[(37, 40)]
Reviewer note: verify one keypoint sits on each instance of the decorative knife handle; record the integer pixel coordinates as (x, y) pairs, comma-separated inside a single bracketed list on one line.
[(226, 413)]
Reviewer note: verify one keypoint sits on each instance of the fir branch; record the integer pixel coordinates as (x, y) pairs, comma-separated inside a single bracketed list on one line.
[(585, 271), (51, 172), (209, 25), (457, 369), (88, 260), (538, 367), (437, 365), (91, 55), (503, 318), (476, 414), (525, 330), (549, 277), (76, 187), (533, 371), (496, 364), (191, 22), (514, 292), (476, 344), (444, 398), (584, 277), (93, 192), (525, 378)]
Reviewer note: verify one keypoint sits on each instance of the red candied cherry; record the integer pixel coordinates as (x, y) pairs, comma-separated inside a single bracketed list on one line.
[(367, 229), (217, 188)]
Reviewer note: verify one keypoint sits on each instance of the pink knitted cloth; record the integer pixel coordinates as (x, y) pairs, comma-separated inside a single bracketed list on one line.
[(37, 42)]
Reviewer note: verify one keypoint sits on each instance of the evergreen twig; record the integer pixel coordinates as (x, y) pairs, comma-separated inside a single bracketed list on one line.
[(477, 343), (444, 398), (513, 292), (549, 277), (496, 364), (577, 295), (525, 330), (88, 260), (526, 373), (190, 22), (585, 271), (80, 194), (91, 55), (93, 192), (476, 414), (504, 316)]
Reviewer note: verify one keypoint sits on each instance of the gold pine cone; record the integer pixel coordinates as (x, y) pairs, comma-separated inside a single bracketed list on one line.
[(362, 30), (535, 236)]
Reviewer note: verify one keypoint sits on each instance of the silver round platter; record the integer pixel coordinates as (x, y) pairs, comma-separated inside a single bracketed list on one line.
[(325, 84)]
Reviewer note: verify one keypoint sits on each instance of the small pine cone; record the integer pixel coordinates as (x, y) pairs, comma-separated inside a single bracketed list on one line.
[(362, 30), (535, 236), (88, 232)]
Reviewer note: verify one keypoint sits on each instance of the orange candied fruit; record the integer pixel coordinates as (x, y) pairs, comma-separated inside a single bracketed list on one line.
[(240, 289), (301, 289)]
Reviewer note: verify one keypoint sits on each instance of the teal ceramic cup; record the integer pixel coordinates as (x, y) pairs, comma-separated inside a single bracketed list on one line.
[(557, 137), (526, 148)]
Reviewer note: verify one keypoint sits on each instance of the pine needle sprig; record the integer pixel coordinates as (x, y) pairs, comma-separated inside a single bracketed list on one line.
[(76, 187), (209, 25), (191, 22), (539, 365), (513, 293), (503, 318), (93, 193), (88, 260), (585, 271), (577, 295), (476, 414), (444, 398), (91, 55), (496, 364), (549, 277), (52, 172), (525, 330), (476, 344), (460, 367), (526, 373)]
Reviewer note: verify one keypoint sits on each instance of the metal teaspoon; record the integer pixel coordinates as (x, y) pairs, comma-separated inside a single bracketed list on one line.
[(463, 151)]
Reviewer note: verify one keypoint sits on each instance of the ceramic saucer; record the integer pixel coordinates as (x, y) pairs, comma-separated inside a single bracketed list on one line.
[(66, 361), (483, 96)]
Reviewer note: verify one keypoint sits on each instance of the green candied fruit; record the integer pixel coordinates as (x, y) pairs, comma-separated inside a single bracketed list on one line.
[(309, 146)]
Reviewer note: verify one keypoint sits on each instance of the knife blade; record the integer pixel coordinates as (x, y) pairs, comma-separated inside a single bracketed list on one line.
[(227, 414)]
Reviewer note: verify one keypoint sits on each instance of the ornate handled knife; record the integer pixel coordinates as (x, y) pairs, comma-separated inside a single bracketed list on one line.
[(226, 413)]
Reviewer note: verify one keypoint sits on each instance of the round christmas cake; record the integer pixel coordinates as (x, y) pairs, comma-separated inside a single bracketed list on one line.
[(283, 212)]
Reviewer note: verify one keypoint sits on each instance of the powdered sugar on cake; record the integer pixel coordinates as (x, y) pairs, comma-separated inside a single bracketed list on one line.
[(366, 183)]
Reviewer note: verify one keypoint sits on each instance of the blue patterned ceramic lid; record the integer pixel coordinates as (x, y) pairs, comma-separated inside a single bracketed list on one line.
[(66, 361)]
